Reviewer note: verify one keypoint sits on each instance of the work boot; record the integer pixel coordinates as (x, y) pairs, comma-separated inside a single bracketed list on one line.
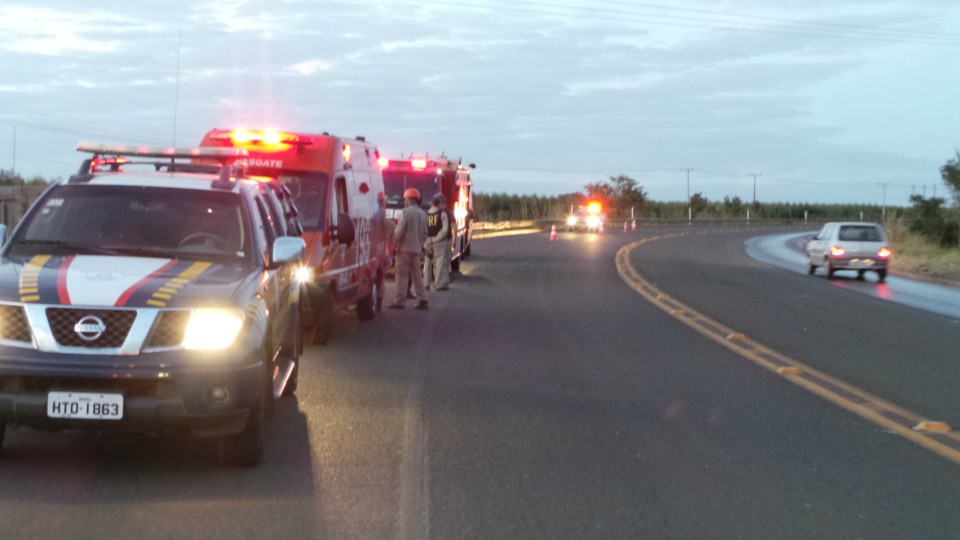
[(421, 305)]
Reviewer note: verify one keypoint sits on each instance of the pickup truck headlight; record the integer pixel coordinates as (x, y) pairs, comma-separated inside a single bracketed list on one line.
[(211, 329), (571, 221)]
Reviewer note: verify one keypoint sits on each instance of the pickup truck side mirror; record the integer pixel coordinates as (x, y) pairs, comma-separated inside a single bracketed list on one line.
[(286, 250)]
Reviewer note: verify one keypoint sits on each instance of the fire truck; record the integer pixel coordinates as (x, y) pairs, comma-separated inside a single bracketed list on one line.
[(337, 188), (431, 176)]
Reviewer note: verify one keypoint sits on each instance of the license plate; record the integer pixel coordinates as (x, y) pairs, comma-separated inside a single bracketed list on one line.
[(85, 405), (862, 262)]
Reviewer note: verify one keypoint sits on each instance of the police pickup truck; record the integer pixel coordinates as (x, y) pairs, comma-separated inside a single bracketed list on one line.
[(162, 301)]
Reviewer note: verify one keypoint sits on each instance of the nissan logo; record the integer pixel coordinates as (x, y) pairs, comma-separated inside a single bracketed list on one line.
[(90, 328)]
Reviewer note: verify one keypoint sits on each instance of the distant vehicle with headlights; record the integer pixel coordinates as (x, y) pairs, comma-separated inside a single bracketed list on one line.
[(860, 247), (337, 190), (162, 301), (588, 218), (431, 176)]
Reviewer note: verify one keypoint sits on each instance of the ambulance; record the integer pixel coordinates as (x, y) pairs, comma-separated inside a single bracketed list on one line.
[(431, 176), (336, 185)]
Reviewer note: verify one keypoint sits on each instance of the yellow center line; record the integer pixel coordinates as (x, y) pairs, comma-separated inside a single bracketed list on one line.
[(931, 434)]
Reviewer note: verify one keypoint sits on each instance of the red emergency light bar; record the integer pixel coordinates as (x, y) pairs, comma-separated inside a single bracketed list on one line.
[(418, 164), (267, 137)]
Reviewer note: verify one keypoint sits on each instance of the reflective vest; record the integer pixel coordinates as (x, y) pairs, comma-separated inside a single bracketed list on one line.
[(434, 222)]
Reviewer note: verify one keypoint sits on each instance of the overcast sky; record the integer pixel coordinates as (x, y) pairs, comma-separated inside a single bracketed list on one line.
[(825, 99)]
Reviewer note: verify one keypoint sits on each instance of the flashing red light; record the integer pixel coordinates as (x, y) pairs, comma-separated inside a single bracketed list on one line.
[(418, 164), (346, 152), (594, 207), (241, 136), (272, 137), (837, 251), (884, 253), (383, 162), (268, 137), (100, 162)]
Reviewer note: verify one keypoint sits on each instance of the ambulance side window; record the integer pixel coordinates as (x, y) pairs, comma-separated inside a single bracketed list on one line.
[(309, 192), (339, 202), (341, 189)]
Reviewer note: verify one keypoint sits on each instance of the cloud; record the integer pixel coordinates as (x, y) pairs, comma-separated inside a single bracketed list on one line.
[(234, 16), (51, 32), (635, 82), (310, 67)]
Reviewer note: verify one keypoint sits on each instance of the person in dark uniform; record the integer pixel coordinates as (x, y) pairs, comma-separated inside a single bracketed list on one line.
[(436, 265)]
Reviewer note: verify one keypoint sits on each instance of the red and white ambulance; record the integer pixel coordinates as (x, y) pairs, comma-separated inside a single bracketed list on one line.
[(431, 176), (337, 187)]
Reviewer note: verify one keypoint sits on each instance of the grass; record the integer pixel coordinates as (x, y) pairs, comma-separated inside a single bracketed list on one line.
[(915, 256)]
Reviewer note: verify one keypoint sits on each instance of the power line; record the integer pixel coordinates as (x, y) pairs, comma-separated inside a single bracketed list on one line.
[(800, 28), (799, 22)]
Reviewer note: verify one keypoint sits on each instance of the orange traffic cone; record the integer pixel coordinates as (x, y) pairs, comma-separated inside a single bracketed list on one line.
[(633, 226), (624, 226), (553, 233)]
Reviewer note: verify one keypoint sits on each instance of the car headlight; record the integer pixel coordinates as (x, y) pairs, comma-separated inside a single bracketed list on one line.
[(593, 221), (571, 221), (211, 329)]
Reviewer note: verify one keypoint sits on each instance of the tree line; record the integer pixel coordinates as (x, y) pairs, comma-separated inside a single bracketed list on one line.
[(622, 196), (935, 218)]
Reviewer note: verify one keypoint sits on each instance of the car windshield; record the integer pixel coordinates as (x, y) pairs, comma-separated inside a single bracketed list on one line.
[(394, 182), (131, 220), (860, 233)]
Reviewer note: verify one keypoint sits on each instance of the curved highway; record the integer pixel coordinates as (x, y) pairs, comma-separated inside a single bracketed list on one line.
[(786, 251), (542, 397)]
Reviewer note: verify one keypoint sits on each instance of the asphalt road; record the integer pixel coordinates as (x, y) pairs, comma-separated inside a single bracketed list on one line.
[(543, 398)]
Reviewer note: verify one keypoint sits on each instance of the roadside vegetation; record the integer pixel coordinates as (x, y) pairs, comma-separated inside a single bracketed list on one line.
[(918, 256)]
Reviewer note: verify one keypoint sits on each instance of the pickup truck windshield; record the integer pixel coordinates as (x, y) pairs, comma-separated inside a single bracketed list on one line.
[(132, 220)]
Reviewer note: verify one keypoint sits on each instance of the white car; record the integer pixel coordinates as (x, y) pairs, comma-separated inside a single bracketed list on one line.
[(849, 246)]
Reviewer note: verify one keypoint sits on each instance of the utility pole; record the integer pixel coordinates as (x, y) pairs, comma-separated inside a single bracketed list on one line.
[(884, 211), (754, 175), (689, 205)]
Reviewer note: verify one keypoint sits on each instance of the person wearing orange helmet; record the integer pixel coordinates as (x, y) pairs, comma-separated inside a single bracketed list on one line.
[(408, 239)]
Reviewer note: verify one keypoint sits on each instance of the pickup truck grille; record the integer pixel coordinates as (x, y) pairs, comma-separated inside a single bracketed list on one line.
[(117, 323), (13, 324)]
